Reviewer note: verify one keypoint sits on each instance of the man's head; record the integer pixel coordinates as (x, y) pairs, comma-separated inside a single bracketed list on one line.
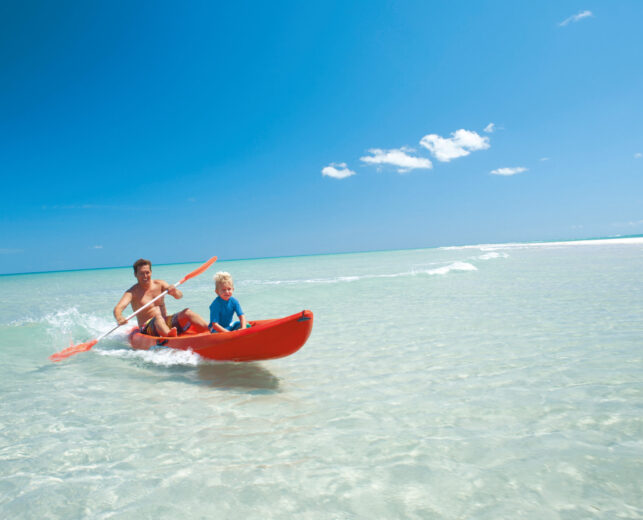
[(143, 270)]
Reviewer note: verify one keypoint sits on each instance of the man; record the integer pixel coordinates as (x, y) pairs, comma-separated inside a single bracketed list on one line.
[(154, 320)]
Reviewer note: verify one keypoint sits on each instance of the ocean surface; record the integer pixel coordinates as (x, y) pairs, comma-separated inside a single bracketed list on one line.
[(479, 382)]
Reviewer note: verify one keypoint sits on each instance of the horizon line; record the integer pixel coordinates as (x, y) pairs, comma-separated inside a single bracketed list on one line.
[(613, 237)]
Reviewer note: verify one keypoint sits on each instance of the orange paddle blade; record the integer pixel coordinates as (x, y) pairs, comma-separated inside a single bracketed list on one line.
[(199, 270), (73, 349)]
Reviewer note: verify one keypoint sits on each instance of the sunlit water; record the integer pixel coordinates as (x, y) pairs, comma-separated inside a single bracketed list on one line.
[(483, 382)]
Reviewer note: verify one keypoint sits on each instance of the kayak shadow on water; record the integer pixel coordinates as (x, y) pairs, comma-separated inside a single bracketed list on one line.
[(248, 376)]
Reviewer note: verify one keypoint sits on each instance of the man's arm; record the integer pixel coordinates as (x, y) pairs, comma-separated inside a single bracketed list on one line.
[(125, 300)]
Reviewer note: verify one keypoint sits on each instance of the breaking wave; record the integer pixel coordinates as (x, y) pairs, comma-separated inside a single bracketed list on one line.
[(455, 266), (489, 256)]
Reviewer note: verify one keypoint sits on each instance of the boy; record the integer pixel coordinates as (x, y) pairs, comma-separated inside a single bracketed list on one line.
[(224, 306)]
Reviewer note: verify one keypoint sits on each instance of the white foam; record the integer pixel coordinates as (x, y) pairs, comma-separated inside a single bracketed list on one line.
[(162, 356), (455, 266), (489, 256)]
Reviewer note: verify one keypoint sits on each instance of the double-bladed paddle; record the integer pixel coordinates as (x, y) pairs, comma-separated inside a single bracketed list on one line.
[(83, 347)]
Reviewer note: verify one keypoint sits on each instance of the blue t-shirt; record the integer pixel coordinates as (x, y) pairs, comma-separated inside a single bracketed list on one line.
[(222, 311)]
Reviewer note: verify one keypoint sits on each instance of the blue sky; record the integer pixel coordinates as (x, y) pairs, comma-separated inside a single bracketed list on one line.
[(180, 131)]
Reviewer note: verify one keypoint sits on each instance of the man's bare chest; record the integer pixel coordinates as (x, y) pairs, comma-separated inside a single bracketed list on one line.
[(141, 297)]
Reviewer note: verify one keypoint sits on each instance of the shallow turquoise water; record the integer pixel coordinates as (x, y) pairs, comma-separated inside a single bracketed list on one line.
[(480, 382)]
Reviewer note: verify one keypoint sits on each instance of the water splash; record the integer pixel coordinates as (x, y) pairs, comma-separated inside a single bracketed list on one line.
[(166, 357)]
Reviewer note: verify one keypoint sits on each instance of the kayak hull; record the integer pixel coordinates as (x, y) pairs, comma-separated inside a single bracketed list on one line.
[(265, 339)]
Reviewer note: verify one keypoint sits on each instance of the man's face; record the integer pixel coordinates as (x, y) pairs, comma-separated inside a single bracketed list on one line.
[(144, 274)]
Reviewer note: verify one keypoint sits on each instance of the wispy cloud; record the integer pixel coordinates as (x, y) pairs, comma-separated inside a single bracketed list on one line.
[(96, 247), (9, 251), (543, 159), (400, 158), (337, 171), (79, 206), (508, 171), (631, 223), (490, 128), (638, 155), (576, 18), (461, 143)]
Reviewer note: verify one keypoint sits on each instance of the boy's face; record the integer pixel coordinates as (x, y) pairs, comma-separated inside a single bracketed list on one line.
[(225, 291)]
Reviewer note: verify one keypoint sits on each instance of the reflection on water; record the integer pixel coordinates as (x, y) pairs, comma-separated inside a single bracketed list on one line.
[(185, 366), (249, 376)]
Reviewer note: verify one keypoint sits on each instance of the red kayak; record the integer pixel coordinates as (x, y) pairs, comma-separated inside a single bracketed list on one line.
[(265, 339)]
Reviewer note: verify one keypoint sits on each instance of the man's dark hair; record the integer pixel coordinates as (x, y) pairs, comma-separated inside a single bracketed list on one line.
[(140, 262)]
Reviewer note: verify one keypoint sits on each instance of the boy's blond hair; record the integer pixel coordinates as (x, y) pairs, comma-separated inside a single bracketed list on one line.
[(222, 278)]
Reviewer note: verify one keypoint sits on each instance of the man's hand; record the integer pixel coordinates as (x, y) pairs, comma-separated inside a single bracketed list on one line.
[(121, 320), (174, 292)]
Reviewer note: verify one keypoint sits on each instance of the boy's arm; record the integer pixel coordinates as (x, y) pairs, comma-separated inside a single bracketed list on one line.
[(240, 314)]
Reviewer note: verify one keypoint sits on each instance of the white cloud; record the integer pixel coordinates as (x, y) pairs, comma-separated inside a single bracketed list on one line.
[(490, 128), (508, 171), (397, 157), (337, 171), (575, 18), (96, 247), (638, 155), (462, 143), (544, 159)]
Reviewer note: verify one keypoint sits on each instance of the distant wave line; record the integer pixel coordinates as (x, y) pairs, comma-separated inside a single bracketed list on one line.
[(455, 266), (518, 245)]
